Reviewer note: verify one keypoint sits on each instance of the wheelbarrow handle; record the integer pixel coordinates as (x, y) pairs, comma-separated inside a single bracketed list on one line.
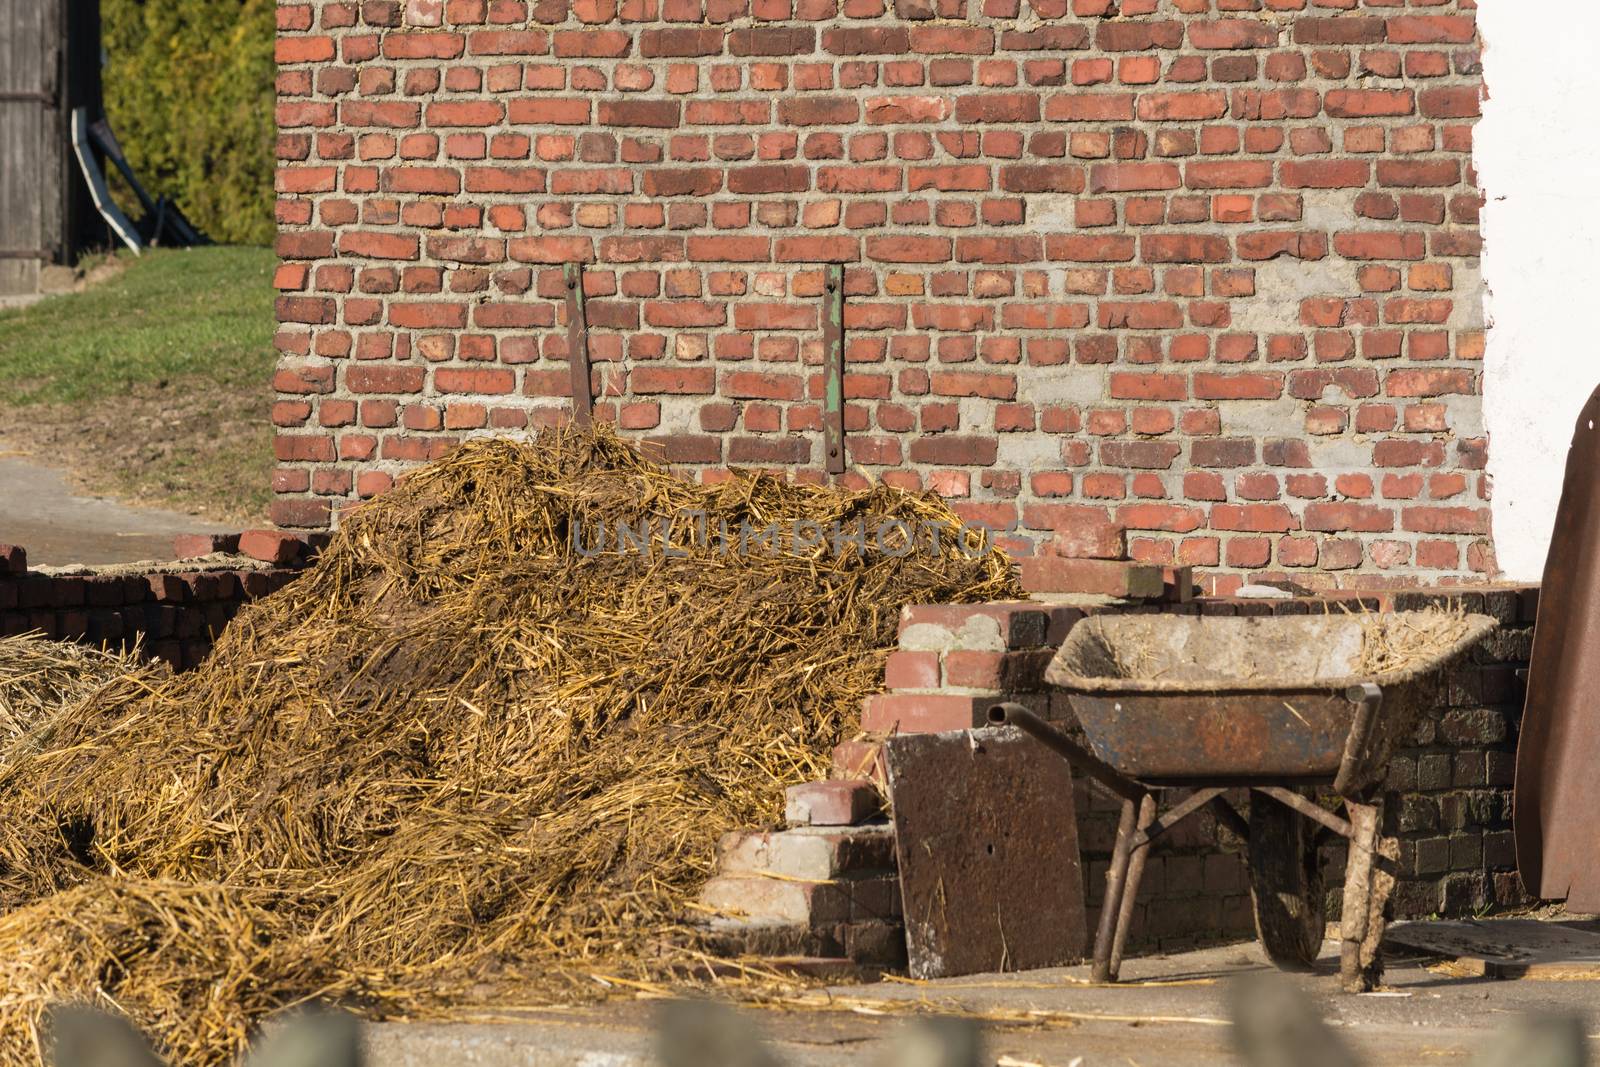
[(1057, 740)]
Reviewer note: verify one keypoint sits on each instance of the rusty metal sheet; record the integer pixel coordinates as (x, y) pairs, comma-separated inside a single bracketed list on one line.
[(1557, 823), (987, 840), (833, 370), (578, 345), (1293, 734)]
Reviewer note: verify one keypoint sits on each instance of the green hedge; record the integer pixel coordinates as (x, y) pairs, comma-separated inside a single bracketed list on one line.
[(189, 89)]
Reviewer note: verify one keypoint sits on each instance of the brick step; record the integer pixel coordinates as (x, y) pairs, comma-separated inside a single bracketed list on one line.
[(812, 853), (831, 802), (860, 759), (815, 904), (834, 969), (873, 943)]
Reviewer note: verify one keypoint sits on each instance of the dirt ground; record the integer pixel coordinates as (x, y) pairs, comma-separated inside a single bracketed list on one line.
[(1171, 1012), (149, 381), (177, 444), (58, 524)]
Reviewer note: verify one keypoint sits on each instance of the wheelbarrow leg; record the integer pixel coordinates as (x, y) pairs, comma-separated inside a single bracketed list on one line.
[(1130, 888), (1122, 877), (1111, 900), (1368, 881)]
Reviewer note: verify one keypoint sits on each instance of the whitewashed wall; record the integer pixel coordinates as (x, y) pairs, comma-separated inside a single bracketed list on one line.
[(1537, 152)]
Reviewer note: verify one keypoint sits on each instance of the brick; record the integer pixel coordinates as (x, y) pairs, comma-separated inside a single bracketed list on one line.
[(1338, 31), (379, 245), (1431, 29), (835, 802), (1369, 103), (190, 546), (1134, 177), (1348, 516), (657, 114), (912, 670), (1233, 33), (1089, 107), (859, 759), (270, 546), (866, 40), (681, 41), (1252, 174), (168, 588), (996, 671), (998, 107), (13, 560), (1326, 174), (1053, 574), (996, 625), (1080, 532), (809, 853), (777, 900), (898, 110), (1182, 107), (1184, 248), (772, 41), (1379, 245), (1418, 173), (923, 712)]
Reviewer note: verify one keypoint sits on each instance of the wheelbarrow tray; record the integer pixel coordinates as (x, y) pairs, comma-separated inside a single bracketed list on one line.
[(1185, 699)]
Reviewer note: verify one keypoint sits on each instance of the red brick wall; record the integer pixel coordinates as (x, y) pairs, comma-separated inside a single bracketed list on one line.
[(1200, 270)]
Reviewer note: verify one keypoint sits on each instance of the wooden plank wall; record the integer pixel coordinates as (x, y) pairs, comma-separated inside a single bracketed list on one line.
[(31, 174)]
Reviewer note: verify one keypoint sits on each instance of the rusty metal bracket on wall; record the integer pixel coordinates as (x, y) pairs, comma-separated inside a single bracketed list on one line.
[(578, 345), (833, 369)]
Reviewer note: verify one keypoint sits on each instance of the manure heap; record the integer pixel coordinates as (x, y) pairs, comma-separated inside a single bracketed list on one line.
[(460, 760), (39, 677)]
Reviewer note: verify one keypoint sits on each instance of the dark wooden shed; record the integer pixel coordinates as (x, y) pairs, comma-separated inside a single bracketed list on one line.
[(49, 64)]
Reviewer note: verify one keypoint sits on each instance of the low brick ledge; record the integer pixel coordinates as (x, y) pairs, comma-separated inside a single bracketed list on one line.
[(174, 610)]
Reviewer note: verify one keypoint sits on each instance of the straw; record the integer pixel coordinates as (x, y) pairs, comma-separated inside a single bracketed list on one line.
[(457, 761), (1398, 643), (39, 677)]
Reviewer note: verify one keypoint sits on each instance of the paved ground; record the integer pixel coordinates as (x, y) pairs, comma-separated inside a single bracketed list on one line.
[(42, 513), (1043, 1018)]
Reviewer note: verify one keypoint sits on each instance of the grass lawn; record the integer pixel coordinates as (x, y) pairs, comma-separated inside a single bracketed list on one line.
[(154, 384)]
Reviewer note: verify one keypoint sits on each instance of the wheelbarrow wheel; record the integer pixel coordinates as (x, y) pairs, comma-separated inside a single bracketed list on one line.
[(1285, 883)]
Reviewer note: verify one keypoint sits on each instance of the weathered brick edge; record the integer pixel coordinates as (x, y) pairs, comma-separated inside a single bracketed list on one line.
[(1454, 781), (177, 614)]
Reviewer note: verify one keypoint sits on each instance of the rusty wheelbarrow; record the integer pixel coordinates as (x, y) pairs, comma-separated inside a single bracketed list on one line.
[(1288, 707)]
